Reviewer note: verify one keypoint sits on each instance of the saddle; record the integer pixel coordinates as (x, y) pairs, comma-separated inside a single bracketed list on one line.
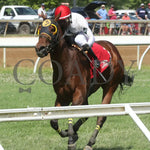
[(103, 56)]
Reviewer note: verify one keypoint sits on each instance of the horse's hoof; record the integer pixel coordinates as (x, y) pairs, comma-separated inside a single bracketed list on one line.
[(72, 146), (87, 148)]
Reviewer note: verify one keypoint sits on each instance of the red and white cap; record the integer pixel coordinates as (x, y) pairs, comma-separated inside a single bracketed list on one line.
[(64, 12)]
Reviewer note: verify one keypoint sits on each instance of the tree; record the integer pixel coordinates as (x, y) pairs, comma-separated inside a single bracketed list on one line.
[(119, 4), (32, 3), (134, 4)]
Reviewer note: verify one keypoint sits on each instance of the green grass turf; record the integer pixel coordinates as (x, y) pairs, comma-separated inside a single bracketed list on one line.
[(118, 132)]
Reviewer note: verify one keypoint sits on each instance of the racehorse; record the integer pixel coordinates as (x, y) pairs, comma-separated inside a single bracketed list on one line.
[(71, 77)]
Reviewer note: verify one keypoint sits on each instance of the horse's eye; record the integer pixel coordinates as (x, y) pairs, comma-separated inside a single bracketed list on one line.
[(53, 29)]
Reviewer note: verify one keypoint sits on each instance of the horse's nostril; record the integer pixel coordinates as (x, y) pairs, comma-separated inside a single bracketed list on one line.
[(41, 48), (41, 51)]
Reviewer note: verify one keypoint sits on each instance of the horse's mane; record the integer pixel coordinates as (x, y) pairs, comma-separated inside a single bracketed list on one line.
[(65, 39)]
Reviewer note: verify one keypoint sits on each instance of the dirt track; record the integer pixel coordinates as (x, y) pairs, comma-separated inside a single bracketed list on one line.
[(14, 55)]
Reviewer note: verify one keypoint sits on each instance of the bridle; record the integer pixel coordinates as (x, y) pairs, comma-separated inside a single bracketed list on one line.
[(53, 41), (49, 31)]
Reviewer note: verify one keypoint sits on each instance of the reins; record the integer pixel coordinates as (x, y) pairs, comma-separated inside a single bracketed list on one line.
[(53, 40)]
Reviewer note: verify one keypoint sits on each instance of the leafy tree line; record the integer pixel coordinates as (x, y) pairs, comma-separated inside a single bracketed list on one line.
[(126, 4), (35, 4)]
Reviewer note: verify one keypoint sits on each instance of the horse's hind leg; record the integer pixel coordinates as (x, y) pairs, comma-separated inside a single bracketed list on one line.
[(77, 125), (107, 96)]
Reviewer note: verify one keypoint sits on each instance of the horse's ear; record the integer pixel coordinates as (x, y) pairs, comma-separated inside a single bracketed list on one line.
[(57, 17)]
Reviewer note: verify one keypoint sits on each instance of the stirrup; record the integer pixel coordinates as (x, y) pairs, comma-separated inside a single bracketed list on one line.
[(96, 63)]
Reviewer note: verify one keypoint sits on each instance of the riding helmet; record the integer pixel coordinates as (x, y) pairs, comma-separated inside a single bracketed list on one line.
[(64, 11)]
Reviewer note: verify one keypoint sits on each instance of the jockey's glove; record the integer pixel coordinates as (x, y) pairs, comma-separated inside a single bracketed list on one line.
[(85, 47)]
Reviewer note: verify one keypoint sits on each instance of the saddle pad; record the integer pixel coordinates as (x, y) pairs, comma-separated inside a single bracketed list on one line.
[(104, 57)]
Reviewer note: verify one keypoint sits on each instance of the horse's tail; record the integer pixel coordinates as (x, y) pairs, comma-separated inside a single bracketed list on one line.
[(127, 80)]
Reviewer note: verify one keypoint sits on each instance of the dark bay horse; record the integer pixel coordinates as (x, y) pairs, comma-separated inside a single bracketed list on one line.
[(71, 77)]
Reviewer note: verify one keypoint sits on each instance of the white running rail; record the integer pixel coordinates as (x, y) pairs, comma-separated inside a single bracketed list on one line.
[(10, 42), (46, 113)]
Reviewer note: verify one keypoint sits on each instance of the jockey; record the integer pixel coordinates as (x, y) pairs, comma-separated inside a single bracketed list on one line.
[(76, 25)]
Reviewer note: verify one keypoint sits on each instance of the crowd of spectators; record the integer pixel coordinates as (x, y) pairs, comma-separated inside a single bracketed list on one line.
[(142, 13)]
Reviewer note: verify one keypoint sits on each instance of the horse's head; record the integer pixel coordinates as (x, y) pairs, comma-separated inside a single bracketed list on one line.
[(48, 37)]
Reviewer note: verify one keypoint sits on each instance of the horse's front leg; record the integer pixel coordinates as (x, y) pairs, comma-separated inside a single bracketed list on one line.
[(73, 137), (72, 131), (79, 98), (55, 126)]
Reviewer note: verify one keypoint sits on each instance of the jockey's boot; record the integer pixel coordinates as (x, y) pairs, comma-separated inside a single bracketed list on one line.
[(96, 61), (90, 51)]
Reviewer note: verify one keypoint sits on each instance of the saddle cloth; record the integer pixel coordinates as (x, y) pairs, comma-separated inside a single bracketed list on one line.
[(103, 56)]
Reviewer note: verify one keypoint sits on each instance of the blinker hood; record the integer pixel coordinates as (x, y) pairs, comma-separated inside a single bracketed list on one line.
[(46, 28)]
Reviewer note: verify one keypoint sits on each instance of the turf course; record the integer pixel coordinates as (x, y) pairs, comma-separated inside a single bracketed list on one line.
[(118, 133)]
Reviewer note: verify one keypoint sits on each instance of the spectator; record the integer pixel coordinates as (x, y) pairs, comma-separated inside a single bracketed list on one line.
[(141, 14), (126, 26), (112, 16), (148, 17), (42, 11), (102, 14)]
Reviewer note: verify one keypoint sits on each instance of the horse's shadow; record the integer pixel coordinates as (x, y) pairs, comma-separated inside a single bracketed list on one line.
[(114, 148)]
